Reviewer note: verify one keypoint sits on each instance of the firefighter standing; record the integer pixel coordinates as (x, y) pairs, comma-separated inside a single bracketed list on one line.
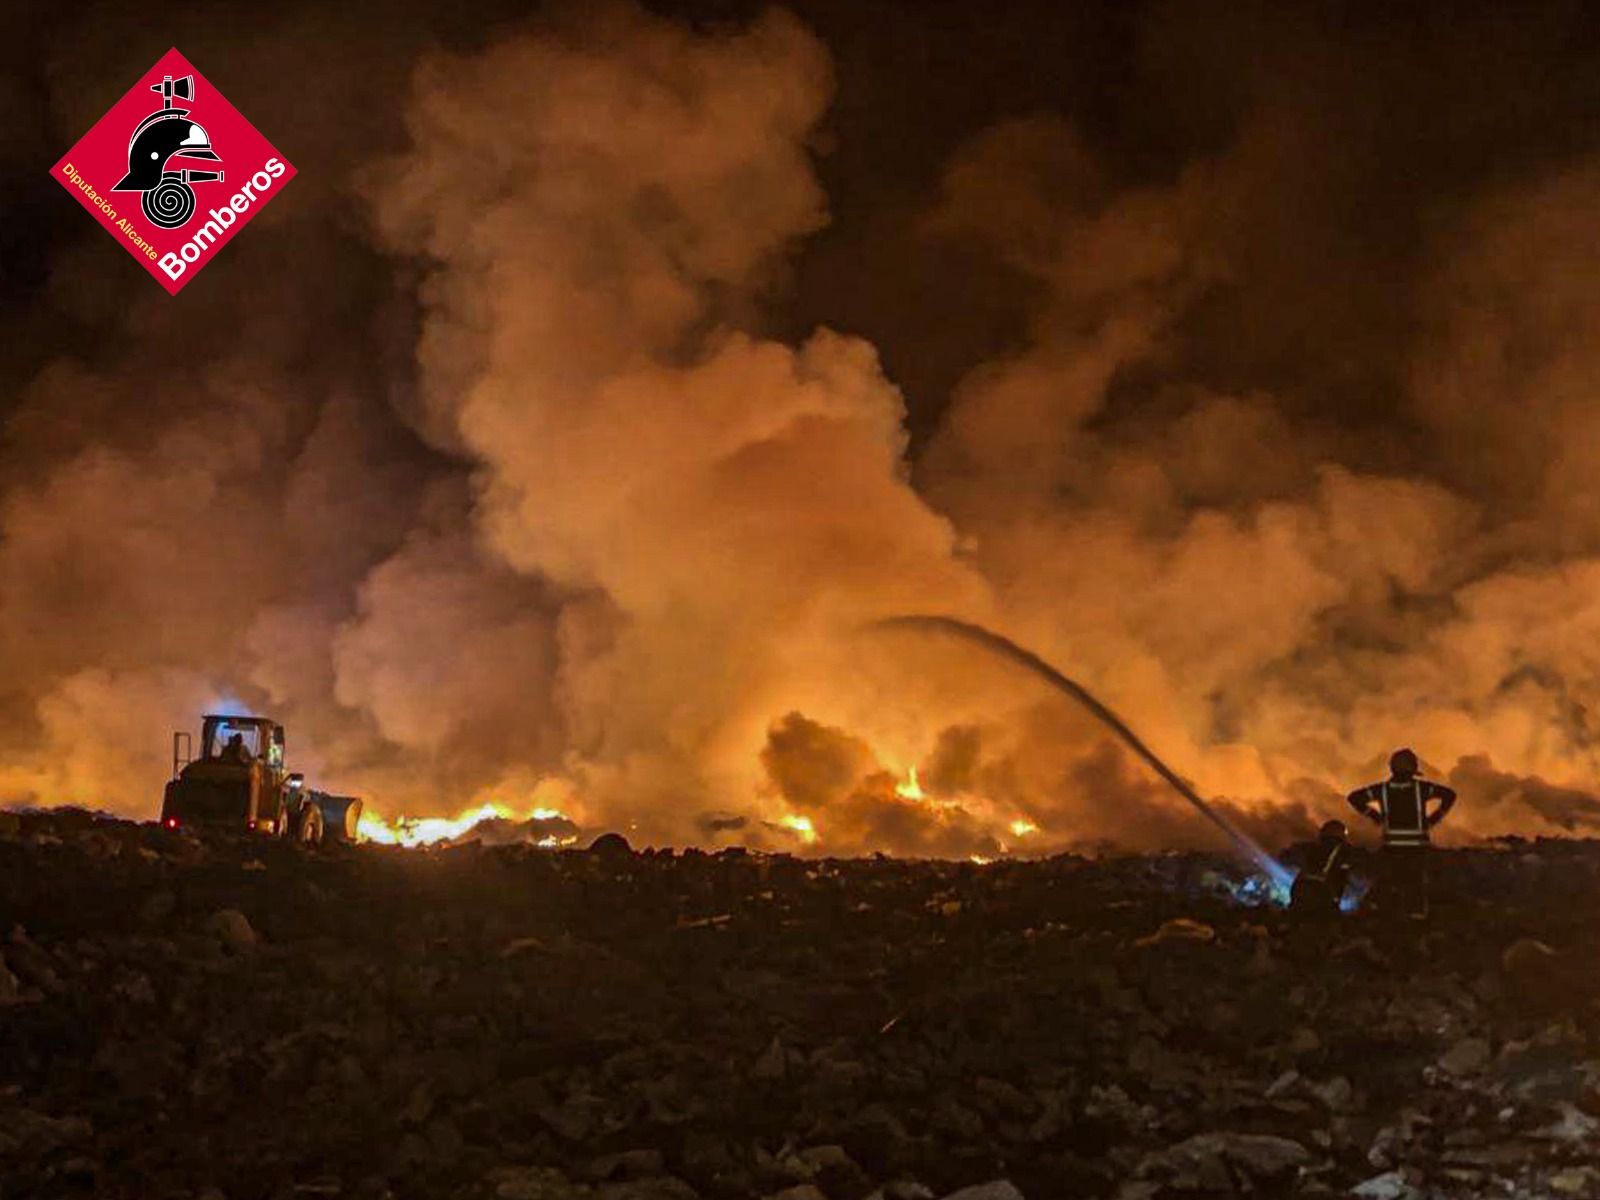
[(1400, 805)]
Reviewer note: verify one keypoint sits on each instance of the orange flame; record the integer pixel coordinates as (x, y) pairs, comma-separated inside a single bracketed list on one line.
[(424, 831), (801, 825), (910, 789)]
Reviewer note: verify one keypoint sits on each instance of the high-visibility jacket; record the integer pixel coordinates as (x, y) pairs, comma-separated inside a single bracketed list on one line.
[(1321, 883), (1402, 806), (1330, 862)]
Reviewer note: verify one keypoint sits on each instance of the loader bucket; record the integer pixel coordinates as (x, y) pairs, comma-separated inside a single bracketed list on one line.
[(340, 816)]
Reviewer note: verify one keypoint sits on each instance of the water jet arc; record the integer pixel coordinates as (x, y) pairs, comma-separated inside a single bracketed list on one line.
[(1009, 650)]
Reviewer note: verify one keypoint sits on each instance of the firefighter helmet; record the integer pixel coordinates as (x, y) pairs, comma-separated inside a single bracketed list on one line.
[(1334, 831), (161, 136), (1403, 764)]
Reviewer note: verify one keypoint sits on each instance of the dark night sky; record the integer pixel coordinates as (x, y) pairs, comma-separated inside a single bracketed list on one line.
[(1414, 109)]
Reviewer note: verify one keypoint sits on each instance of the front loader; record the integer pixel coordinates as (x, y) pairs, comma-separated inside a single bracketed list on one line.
[(239, 782)]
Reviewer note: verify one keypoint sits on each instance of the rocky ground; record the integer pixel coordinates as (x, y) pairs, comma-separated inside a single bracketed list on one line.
[(231, 1018)]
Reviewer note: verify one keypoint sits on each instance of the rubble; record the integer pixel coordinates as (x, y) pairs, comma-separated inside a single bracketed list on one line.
[(511, 1022)]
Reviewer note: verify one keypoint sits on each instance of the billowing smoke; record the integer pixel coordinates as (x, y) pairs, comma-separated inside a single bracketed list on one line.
[(496, 462), (715, 505)]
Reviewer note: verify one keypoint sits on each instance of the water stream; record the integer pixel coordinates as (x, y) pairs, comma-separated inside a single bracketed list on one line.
[(1280, 876)]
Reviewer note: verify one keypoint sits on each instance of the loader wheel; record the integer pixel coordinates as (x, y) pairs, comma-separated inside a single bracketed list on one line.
[(308, 827)]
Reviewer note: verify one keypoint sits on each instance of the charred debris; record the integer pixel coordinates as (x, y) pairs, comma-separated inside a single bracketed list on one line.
[(226, 1017)]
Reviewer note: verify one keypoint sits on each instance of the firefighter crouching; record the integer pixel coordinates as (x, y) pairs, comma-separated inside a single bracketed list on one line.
[(1325, 874), (1400, 805)]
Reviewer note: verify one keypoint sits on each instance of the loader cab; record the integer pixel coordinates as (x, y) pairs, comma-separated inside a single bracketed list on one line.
[(237, 780), (242, 740)]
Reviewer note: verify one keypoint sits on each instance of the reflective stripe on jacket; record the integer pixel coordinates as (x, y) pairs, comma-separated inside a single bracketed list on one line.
[(1403, 806)]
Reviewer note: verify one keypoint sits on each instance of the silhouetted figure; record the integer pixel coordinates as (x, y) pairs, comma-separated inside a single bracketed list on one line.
[(236, 751), (1400, 805), (1324, 873)]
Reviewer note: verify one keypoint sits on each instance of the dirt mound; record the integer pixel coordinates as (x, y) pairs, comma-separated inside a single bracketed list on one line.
[(241, 1018)]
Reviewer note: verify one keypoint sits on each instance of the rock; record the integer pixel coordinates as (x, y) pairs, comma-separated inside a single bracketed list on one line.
[(1006, 1099), (999, 1189), (534, 1183), (1199, 1161), (31, 965), (419, 1104), (1363, 949), (1576, 1181), (1336, 1094), (573, 1121), (1391, 1185), (664, 1187), (628, 1164), (444, 1140), (1262, 1156), (610, 845), (951, 1117), (1469, 1056), (1195, 1165), (232, 927), (772, 1064), (800, 1191), (1284, 1084), (1527, 956), (875, 1137), (39, 1134), (10, 987), (135, 987), (518, 947), (705, 1154), (1574, 1126), (1304, 1041), (1391, 1145), (1179, 929), (826, 1158), (158, 907), (1546, 1070)]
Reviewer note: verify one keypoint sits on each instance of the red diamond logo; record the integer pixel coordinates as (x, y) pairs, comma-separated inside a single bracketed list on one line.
[(173, 171)]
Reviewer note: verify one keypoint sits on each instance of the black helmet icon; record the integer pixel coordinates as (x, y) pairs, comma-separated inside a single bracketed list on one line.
[(168, 199)]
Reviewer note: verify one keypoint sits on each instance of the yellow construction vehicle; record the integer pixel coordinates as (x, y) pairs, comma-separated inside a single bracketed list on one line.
[(239, 781)]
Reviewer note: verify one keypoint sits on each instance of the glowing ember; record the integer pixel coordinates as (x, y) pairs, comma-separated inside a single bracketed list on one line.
[(802, 826), (910, 789), (424, 831)]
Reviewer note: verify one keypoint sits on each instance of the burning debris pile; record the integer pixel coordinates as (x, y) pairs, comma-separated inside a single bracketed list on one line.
[(234, 1018), (493, 823)]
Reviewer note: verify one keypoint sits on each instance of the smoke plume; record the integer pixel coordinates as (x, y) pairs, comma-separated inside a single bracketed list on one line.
[(554, 435)]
